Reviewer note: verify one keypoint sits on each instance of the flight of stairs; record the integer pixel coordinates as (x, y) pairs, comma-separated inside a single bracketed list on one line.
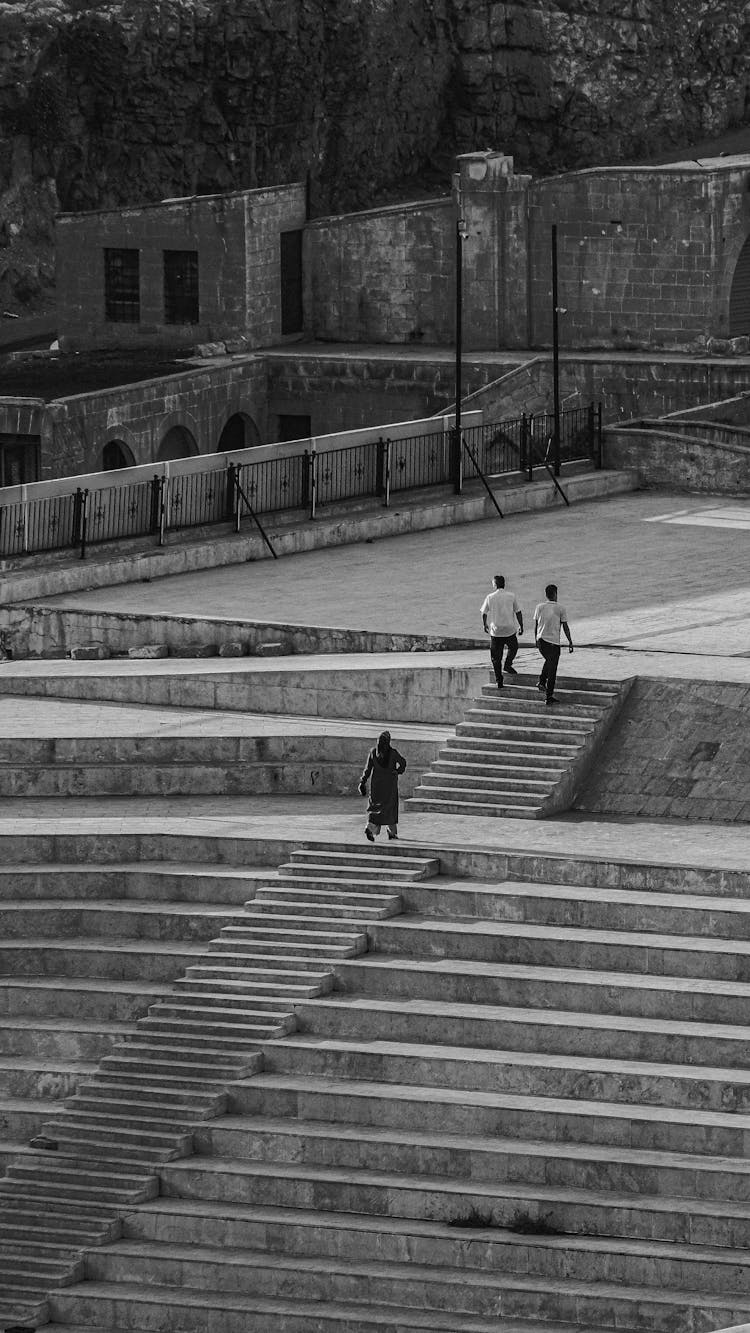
[(78, 948), (525, 1110), (514, 756)]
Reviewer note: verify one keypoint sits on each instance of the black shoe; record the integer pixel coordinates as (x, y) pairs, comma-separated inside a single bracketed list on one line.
[(369, 835), (541, 686), (552, 700), (510, 671), (392, 837), (499, 684)]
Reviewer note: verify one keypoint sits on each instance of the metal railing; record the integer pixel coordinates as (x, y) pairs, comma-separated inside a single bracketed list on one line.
[(305, 481)]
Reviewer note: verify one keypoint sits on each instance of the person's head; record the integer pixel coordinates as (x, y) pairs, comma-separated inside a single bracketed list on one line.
[(384, 742), (551, 592), (499, 580)]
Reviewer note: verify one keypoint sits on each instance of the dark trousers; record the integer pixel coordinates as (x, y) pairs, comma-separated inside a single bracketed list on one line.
[(551, 654), (509, 641)]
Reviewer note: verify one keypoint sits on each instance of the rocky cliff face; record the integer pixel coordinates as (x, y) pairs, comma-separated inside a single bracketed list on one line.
[(126, 101)]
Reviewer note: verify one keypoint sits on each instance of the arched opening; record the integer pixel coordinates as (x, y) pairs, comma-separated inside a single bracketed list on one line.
[(739, 296), (240, 432), (116, 454), (177, 443)]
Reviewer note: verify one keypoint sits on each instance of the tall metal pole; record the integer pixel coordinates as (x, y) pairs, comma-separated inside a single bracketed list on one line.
[(460, 232), (555, 357)]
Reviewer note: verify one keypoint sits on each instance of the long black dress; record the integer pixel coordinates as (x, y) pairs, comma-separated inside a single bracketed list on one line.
[(383, 775)]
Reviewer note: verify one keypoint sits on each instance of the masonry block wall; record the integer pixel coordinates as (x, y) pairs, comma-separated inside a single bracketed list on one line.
[(236, 239), (140, 415), (645, 256), (681, 749), (383, 276)]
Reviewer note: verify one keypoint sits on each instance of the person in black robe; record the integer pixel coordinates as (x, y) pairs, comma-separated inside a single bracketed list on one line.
[(384, 763)]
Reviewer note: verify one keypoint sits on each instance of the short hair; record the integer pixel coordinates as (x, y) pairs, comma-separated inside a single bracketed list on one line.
[(550, 590), (499, 579)]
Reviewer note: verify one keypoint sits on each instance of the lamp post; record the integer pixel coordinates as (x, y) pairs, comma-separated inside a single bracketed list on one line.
[(555, 358), (457, 459)]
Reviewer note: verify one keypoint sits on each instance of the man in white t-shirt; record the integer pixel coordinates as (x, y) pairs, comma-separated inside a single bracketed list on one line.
[(500, 611), (549, 618)]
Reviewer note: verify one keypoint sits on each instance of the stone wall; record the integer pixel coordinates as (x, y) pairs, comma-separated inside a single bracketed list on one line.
[(681, 750), (112, 103), (681, 462), (140, 415), (236, 240), (382, 276)]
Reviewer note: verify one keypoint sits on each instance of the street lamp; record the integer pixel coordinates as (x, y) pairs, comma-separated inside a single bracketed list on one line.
[(461, 234)]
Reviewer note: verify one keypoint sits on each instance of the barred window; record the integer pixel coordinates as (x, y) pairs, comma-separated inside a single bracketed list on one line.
[(181, 304), (122, 296)]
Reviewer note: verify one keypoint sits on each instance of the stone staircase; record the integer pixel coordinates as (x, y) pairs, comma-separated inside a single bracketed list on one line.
[(513, 756), (163, 1073), (525, 1110)]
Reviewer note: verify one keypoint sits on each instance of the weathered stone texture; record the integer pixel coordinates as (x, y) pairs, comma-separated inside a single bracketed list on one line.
[(682, 750), (126, 101)]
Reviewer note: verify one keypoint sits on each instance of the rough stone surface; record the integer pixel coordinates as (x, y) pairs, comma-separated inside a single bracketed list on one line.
[(149, 650), (112, 103), (681, 751)]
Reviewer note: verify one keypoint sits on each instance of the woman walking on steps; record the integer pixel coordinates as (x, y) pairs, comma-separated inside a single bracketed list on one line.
[(384, 763)]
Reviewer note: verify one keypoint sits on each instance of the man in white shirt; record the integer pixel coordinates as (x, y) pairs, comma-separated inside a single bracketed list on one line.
[(500, 611), (549, 618)]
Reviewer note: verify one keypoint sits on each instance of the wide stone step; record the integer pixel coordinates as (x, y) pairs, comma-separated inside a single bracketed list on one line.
[(265, 959), (176, 921), (143, 1089), (137, 1311), (314, 876), (294, 901), (573, 1211), (531, 703), (261, 994), (194, 998), (442, 800), (528, 1073), (512, 782), (472, 1158), (162, 1069), (432, 1022), (116, 960), (524, 690), (466, 764), (64, 997), (505, 733), (72, 1127), (124, 1108), (64, 1039), (412, 1107), (373, 865), (609, 909), (683, 999), (495, 749), (49, 1078), (358, 1237), (215, 885), (464, 1291), (619, 950)]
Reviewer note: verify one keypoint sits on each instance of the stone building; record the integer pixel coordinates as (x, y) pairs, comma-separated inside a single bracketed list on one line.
[(653, 260)]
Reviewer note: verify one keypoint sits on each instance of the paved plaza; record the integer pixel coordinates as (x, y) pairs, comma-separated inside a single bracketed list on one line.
[(647, 572)]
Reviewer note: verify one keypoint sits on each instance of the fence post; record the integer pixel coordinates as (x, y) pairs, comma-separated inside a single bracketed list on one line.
[(599, 459), (380, 465), (313, 486), (84, 515), (388, 450), (530, 443), (456, 456), (230, 496), (155, 503)]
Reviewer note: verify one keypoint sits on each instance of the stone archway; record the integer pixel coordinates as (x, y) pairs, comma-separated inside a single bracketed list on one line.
[(177, 443), (240, 432), (115, 455)]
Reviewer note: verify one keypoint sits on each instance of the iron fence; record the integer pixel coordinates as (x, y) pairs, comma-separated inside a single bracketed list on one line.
[(305, 481)]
